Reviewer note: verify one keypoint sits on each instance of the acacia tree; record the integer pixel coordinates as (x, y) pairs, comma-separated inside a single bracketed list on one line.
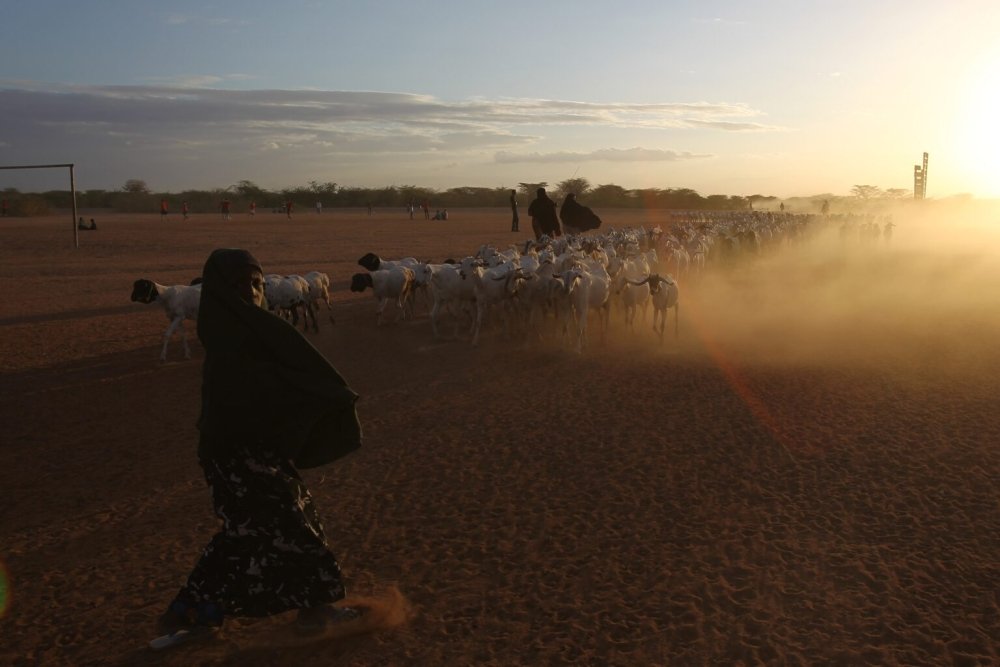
[(136, 186), (866, 191), (529, 189), (250, 190), (610, 195), (577, 186)]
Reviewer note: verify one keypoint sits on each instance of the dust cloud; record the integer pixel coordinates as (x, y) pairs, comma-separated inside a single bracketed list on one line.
[(927, 298)]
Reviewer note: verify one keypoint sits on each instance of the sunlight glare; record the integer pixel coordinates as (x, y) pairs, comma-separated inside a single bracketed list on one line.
[(978, 129)]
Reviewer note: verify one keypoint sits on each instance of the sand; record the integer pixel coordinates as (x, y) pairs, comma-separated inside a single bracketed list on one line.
[(807, 475)]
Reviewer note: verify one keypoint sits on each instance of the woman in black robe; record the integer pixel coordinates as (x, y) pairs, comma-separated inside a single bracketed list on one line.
[(577, 218), (271, 403), (543, 216)]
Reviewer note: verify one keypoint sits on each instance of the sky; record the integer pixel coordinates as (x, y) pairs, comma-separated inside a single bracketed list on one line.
[(784, 98)]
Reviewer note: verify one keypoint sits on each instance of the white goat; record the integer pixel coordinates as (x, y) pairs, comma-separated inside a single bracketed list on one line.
[(180, 303), (319, 292), (448, 290), (664, 294), (396, 283), (286, 295), (493, 286), (591, 294)]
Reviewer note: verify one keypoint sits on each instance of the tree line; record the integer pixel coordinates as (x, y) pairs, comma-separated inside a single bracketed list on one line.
[(135, 196)]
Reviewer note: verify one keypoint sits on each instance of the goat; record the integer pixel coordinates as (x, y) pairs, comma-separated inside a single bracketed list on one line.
[(180, 303), (319, 291), (286, 295), (495, 285), (448, 289), (396, 283), (664, 294)]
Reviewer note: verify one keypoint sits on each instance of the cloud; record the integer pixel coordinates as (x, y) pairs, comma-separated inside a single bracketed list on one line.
[(604, 154), (184, 120), (185, 80)]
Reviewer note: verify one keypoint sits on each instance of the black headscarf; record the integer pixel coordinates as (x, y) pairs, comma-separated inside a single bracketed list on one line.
[(264, 385)]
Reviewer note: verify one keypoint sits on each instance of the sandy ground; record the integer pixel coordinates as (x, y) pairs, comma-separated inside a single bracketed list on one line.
[(807, 475)]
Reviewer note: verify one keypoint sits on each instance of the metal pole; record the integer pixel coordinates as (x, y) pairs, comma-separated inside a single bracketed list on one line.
[(72, 186)]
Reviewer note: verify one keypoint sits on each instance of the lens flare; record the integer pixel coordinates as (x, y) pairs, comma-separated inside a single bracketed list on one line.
[(4, 591)]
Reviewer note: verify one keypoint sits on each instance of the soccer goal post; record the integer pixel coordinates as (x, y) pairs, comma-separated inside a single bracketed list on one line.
[(72, 187)]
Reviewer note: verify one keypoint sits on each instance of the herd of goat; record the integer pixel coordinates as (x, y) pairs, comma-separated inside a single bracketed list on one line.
[(544, 286)]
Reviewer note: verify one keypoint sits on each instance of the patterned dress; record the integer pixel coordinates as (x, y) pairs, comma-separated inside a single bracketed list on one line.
[(271, 554)]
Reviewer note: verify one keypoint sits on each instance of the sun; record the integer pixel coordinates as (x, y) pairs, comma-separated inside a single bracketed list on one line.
[(977, 128)]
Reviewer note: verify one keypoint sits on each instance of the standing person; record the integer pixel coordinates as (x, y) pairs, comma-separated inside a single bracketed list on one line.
[(163, 209), (253, 209), (409, 209), (184, 209), (319, 207), (288, 209), (225, 210), (577, 218), (427, 210), (271, 554), (515, 221), (369, 209), (543, 215)]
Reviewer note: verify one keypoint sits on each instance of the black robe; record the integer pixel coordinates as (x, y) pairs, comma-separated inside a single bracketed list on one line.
[(577, 217), (543, 213), (270, 402), (263, 382)]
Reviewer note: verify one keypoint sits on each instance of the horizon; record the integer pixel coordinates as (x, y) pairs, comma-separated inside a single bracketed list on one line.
[(720, 98)]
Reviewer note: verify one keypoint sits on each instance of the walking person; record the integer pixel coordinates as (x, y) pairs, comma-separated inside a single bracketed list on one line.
[(515, 221), (544, 220), (163, 209), (253, 209), (271, 553), (225, 210), (184, 210), (288, 208)]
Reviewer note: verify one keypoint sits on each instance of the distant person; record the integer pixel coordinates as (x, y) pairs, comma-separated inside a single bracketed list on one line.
[(184, 210), (577, 218), (288, 208), (427, 209), (781, 207), (369, 209), (253, 209), (826, 207), (270, 555), (543, 216), (515, 221), (319, 208), (163, 209), (444, 214), (93, 225), (409, 209), (80, 224), (437, 214), (887, 231), (225, 206)]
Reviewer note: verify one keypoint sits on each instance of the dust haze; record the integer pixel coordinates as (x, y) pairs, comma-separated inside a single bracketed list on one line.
[(928, 298)]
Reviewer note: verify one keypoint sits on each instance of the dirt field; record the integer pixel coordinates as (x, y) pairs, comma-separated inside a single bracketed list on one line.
[(807, 475)]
